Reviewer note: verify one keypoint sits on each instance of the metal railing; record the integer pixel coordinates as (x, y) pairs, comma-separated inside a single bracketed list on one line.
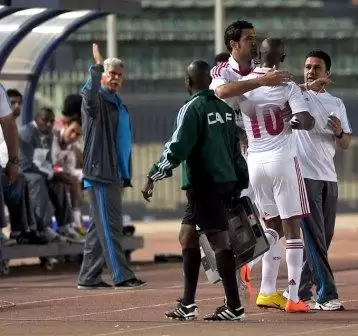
[(169, 200)]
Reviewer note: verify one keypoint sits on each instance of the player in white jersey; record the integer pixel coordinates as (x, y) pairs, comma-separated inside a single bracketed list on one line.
[(275, 174), (240, 41), (316, 150)]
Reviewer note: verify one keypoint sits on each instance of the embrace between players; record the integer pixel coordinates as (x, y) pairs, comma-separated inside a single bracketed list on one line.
[(271, 109)]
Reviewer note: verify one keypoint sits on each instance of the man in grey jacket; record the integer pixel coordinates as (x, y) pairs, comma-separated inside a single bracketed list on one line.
[(106, 170), (46, 188)]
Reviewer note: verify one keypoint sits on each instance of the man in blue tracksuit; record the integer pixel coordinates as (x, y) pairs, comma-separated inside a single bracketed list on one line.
[(106, 170)]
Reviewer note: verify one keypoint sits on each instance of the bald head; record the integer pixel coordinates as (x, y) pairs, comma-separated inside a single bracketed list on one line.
[(272, 52), (198, 76)]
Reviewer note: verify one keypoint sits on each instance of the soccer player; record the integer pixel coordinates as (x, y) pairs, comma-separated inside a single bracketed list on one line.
[(205, 134), (275, 174), (240, 41), (315, 151)]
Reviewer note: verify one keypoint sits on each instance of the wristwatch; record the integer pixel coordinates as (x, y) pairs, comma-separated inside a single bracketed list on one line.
[(13, 160)]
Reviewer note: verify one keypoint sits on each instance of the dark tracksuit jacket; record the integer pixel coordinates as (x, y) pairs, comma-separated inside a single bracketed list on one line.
[(204, 140), (106, 170)]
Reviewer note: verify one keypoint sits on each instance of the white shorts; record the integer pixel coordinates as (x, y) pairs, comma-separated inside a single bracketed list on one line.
[(279, 188)]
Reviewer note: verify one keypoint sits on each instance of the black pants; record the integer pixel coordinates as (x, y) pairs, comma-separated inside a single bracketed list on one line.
[(18, 202), (207, 209), (318, 230), (48, 198)]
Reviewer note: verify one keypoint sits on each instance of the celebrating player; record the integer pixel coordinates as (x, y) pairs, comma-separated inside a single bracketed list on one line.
[(275, 174)]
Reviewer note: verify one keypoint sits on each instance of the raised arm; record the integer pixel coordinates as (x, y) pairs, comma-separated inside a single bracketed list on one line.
[(91, 88)]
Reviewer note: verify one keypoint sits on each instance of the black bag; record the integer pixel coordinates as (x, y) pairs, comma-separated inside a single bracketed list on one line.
[(247, 239)]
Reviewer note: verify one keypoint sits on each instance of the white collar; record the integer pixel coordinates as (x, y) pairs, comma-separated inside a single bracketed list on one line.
[(261, 71), (236, 66)]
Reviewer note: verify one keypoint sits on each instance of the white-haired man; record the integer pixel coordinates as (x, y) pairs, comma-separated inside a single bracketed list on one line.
[(106, 170)]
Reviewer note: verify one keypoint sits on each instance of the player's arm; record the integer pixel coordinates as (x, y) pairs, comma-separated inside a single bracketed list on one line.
[(344, 139), (317, 85), (340, 127), (233, 89), (91, 88), (301, 117), (180, 145)]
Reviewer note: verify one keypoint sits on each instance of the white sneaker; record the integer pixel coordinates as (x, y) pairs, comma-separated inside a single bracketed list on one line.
[(312, 303), (331, 305)]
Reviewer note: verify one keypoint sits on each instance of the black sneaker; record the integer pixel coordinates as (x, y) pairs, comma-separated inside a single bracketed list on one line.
[(224, 313), (131, 284), (29, 238), (100, 285), (181, 312)]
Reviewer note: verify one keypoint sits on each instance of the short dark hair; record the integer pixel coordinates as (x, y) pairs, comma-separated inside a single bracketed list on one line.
[(72, 105), (234, 30), (45, 112), (77, 119), (323, 56), (13, 93), (222, 57)]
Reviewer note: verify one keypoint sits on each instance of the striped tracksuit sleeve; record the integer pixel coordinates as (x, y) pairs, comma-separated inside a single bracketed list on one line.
[(181, 143)]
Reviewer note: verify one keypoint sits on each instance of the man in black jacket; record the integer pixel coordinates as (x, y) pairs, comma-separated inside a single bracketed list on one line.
[(106, 171)]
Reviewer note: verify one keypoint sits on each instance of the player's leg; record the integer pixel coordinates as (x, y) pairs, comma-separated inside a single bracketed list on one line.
[(90, 275), (225, 261), (292, 202), (212, 218), (314, 231), (262, 188), (330, 199), (189, 241), (268, 296)]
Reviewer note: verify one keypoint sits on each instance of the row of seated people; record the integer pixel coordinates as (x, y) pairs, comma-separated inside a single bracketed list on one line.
[(49, 185)]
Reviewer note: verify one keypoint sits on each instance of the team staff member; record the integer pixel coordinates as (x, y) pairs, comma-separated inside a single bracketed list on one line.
[(106, 170), (205, 134), (316, 150), (228, 84)]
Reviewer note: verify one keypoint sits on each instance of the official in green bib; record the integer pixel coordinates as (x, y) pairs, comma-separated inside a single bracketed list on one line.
[(205, 143)]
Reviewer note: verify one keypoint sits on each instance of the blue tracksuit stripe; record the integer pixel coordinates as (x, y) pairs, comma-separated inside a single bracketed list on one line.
[(103, 207), (311, 253)]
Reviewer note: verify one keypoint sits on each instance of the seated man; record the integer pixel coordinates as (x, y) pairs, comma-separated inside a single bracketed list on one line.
[(16, 195), (47, 188), (64, 161), (72, 109)]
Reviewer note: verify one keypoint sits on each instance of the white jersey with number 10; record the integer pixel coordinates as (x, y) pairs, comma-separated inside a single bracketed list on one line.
[(269, 136)]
